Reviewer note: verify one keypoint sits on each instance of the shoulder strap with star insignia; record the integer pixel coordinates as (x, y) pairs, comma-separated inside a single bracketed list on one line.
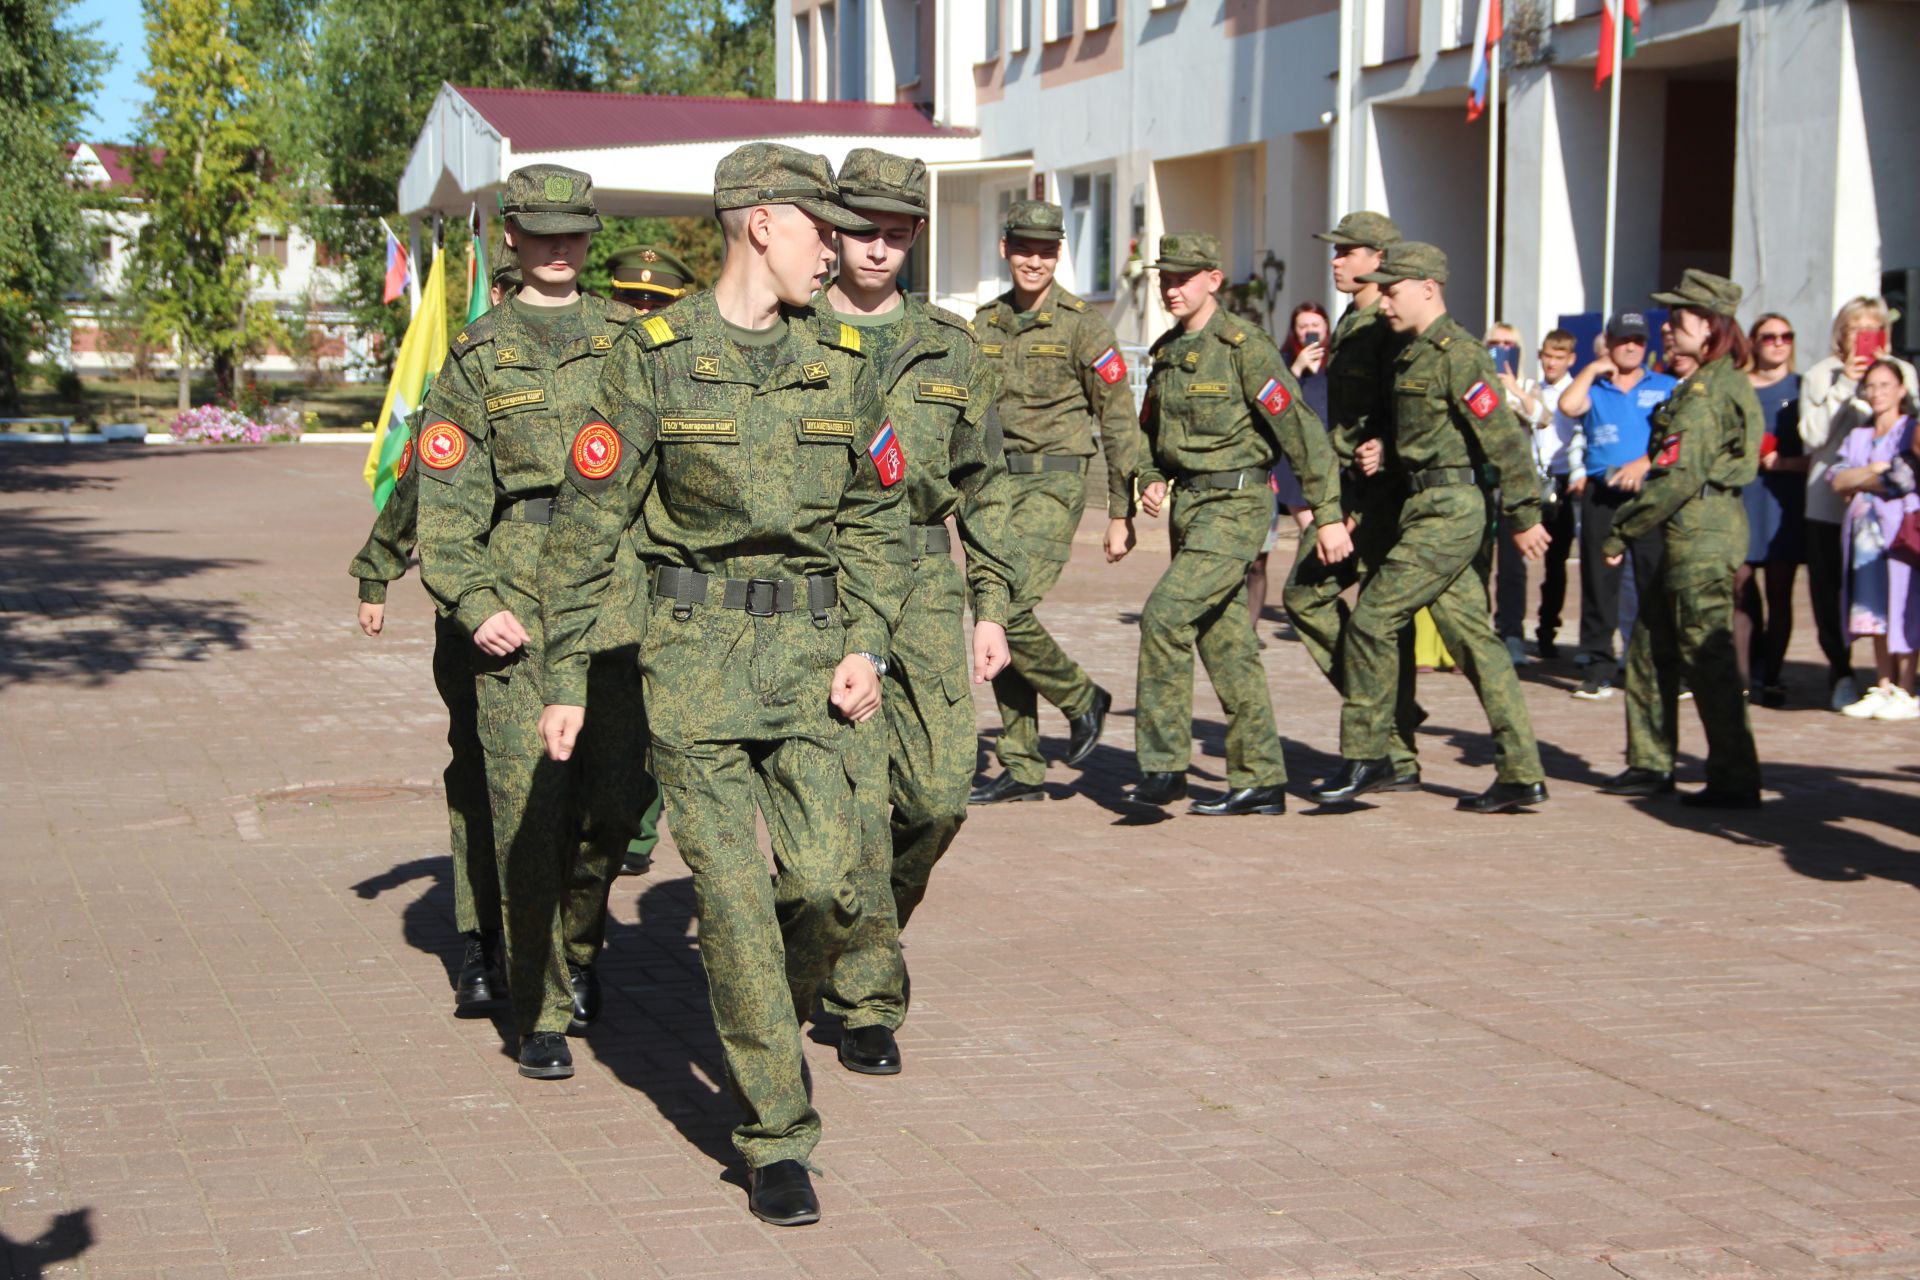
[(940, 315), (477, 332), (1064, 299)]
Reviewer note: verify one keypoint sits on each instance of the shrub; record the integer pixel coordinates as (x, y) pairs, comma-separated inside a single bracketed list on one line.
[(217, 424)]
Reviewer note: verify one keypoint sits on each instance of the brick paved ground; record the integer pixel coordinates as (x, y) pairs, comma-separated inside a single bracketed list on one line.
[(1605, 1040)]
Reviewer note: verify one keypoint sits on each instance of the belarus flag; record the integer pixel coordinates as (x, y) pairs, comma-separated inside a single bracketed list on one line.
[(1486, 47), (398, 269)]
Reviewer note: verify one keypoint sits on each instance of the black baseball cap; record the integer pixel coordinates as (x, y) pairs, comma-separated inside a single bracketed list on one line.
[(1627, 326)]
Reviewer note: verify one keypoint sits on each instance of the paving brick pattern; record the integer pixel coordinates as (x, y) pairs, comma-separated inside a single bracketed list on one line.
[(1606, 1040)]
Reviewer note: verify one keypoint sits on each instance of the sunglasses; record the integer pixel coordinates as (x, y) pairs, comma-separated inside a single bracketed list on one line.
[(1776, 339)]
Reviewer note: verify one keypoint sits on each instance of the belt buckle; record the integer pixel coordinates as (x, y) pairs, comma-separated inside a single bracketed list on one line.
[(773, 596)]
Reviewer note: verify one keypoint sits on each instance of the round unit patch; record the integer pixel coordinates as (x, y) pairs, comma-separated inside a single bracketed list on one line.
[(442, 446), (596, 451), (406, 460)]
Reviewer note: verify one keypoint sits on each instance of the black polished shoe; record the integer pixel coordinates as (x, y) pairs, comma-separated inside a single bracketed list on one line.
[(636, 862), (872, 1051), (481, 984), (1086, 727), (544, 1056), (1636, 781), (1546, 648), (1242, 800), (1005, 789), (1157, 789), (1719, 798), (1355, 779), (1408, 781), (782, 1194), (584, 979), (1504, 797)]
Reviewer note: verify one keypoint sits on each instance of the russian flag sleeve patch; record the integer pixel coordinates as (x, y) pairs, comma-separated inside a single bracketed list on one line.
[(1482, 400), (1274, 398), (889, 459), (1110, 366)]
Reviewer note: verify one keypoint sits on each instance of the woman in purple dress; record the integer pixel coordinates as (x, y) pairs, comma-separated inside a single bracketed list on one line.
[(1874, 474)]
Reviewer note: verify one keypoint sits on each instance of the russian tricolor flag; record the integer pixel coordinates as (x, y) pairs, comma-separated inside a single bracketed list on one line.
[(1486, 47), (398, 269)]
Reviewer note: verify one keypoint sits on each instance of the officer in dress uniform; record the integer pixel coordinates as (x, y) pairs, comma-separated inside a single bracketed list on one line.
[(1454, 441), (646, 277), (1061, 377), (745, 431), (492, 456), (1221, 408)]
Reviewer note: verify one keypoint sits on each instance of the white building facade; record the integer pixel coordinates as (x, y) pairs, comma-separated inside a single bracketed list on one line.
[(1758, 139)]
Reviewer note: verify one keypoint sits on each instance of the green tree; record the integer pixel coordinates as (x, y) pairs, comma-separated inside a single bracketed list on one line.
[(712, 48), (47, 74), (208, 186)]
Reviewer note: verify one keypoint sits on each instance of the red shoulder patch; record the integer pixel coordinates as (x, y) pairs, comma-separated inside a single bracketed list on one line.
[(443, 446), (1482, 400), (889, 459), (406, 460), (1274, 398), (596, 451), (1111, 366), (1669, 452)]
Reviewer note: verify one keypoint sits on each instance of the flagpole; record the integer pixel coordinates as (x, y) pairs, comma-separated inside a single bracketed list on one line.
[(1493, 183), (1613, 157)]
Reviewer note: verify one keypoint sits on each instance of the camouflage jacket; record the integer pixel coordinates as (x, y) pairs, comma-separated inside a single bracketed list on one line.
[(731, 474), (940, 398), (384, 557), (1222, 399), (497, 424), (1060, 374), (1707, 432), (1360, 372), (1451, 411)]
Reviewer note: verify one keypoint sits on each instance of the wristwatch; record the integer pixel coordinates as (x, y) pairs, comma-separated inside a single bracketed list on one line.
[(879, 663)]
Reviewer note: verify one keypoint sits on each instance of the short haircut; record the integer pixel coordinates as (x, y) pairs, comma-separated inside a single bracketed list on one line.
[(1559, 340), (733, 222)]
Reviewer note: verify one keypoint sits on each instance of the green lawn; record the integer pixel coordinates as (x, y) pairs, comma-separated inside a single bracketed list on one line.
[(337, 406)]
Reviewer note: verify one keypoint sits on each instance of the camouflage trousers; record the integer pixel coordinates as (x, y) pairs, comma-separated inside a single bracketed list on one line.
[(1044, 515), (915, 758), (1684, 631), (1202, 600), (476, 880), (559, 829), (1315, 603), (1440, 562)]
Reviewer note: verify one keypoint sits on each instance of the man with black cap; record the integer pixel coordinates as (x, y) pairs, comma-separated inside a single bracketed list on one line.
[(1613, 398), (491, 454), (920, 751), (1061, 376), (1359, 408), (744, 431), (647, 277)]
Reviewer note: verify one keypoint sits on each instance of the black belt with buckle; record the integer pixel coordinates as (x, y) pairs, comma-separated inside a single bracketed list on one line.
[(1026, 464), (758, 597), (1245, 478), (1436, 477), (529, 511), (1708, 489)]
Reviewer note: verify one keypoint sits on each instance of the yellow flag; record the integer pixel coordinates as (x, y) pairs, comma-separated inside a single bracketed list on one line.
[(421, 352)]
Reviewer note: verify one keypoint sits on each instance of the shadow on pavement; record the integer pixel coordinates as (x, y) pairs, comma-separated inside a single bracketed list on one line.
[(426, 922), (75, 603), (68, 1236)]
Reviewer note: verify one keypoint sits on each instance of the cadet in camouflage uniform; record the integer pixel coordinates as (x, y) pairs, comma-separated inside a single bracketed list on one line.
[(476, 881), (1454, 440), (492, 455), (1706, 447), (1359, 368), (746, 431), (939, 397), (1221, 408), (647, 278), (1061, 375)]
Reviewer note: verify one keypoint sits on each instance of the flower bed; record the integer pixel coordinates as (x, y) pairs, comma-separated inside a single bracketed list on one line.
[(218, 424)]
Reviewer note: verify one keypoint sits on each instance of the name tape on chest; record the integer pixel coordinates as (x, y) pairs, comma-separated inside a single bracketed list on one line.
[(1482, 400), (443, 446), (1274, 398), (688, 427), (1049, 349), (889, 459), (945, 392), (1208, 388), (516, 400), (1110, 366), (596, 451), (834, 428), (995, 350)]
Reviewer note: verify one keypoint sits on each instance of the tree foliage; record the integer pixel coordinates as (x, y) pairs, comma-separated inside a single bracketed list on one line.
[(47, 74), (208, 182)]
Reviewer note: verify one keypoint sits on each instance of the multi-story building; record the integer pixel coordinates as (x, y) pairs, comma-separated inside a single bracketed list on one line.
[(1758, 137), (305, 293)]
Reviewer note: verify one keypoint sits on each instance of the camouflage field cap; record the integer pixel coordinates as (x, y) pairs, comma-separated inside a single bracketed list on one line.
[(883, 182), (506, 276), (1409, 260), (647, 268), (769, 173), (550, 200), (1365, 228), (1189, 251), (1035, 220), (1703, 291)]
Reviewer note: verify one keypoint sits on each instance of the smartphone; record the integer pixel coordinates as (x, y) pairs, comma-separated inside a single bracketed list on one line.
[(1507, 359), (1870, 344)]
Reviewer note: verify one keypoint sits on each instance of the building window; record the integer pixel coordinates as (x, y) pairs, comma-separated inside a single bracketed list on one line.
[(993, 30), (1060, 16), (803, 57), (1090, 230), (1022, 26), (1102, 13), (271, 248), (829, 52)]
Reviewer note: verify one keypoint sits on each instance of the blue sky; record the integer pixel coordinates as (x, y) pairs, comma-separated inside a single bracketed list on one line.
[(117, 106)]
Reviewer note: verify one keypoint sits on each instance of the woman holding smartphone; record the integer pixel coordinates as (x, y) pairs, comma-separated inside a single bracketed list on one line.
[(1829, 409)]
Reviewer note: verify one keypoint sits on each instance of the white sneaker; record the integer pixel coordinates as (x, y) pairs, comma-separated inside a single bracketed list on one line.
[(1845, 694), (1517, 650), (1898, 705), (1868, 705)]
